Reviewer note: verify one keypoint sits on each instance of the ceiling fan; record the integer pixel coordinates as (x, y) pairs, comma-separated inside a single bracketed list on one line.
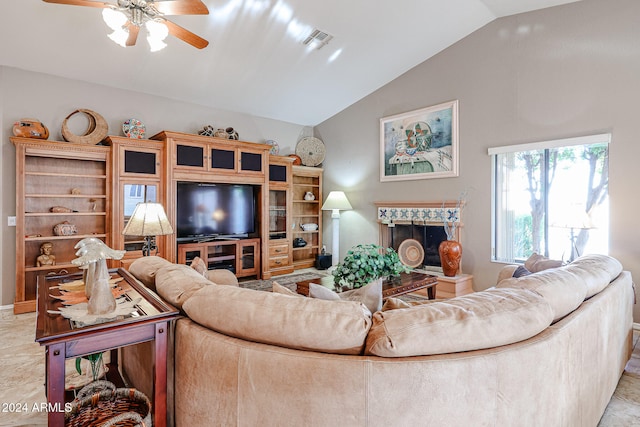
[(126, 17)]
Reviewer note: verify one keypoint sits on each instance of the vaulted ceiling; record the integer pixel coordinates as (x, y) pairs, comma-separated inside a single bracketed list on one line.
[(255, 62)]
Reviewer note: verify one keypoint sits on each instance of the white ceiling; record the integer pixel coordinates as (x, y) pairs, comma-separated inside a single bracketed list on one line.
[(255, 62)]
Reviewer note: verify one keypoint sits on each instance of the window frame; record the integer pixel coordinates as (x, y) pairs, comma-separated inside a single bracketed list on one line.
[(541, 145)]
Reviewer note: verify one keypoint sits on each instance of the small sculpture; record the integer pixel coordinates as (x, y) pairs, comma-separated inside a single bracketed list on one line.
[(309, 196), (30, 128), (46, 255), (221, 133), (208, 130), (232, 133), (93, 253)]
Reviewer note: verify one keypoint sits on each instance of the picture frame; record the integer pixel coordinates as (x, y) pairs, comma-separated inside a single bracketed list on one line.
[(420, 144)]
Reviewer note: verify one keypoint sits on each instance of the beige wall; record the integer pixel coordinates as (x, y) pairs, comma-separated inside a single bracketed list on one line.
[(555, 73), (51, 99)]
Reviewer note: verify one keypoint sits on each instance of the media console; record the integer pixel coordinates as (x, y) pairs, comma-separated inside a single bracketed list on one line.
[(241, 256)]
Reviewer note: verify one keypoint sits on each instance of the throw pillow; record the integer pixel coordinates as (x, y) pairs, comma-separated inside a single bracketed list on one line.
[(370, 295), (199, 265), (536, 263), (521, 271), (279, 289)]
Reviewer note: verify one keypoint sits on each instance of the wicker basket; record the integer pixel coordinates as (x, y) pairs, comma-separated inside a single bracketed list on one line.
[(100, 404)]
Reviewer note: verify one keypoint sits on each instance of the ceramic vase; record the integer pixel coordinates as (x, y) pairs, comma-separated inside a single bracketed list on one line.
[(450, 254)]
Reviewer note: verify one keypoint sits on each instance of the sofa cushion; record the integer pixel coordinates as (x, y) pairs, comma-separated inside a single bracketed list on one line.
[(561, 287), (145, 269), (273, 318), (471, 322), (176, 283), (596, 271), (221, 277)]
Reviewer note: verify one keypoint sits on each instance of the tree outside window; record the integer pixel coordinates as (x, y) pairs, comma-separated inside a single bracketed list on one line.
[(551, 198)]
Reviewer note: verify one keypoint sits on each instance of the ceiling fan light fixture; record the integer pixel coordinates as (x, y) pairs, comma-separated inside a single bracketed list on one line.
[(157, 30), (115, 19), (120, 36), (155, 44)]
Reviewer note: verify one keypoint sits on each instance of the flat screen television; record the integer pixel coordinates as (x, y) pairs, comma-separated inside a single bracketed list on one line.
[(206, 210)]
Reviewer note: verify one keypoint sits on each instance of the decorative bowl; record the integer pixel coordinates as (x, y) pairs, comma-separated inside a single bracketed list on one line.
[(309, 227)]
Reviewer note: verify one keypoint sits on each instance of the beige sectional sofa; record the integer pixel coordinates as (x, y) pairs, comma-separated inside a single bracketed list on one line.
[(546, 349)]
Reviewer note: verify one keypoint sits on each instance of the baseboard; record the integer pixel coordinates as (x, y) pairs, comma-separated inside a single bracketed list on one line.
[(636, 326), (10, 307)]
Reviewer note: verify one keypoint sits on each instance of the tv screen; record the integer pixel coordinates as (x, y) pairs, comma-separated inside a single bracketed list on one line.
[(211, 210)]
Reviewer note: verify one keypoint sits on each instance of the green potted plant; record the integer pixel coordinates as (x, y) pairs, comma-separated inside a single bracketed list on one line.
[(365, 263)]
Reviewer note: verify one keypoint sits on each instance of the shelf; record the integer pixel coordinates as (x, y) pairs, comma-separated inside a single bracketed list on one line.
[(308, 247), (51, 267), (303, 184), (71, 237), (305, 232), (65, 175), (32, 214), (306, 201), (221, 258), (67, 196)]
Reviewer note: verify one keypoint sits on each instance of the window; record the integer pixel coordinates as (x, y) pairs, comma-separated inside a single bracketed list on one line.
[(550, 198)]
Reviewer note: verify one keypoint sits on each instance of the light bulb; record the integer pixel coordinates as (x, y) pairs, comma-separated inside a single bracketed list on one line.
[(114, 18), (157, 30), (155, 44), (120, 36)]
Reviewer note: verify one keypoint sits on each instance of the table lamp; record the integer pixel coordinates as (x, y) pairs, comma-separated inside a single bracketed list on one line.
[(148, 220), (335, 202)]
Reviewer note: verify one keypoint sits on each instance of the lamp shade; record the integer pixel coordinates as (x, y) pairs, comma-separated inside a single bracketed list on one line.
[(336, 200), (148, 219)]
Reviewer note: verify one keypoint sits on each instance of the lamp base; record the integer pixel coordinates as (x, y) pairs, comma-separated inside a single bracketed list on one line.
[(149, 245)]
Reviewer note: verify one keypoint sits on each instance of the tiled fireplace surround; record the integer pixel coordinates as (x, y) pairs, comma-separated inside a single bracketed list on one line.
[(422, 221)]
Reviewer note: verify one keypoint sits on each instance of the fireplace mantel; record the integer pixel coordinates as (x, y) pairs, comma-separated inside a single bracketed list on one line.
[(420, 221), (431, 213)]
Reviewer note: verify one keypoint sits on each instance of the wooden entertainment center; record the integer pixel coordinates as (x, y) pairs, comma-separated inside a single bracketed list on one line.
[(97, 187)]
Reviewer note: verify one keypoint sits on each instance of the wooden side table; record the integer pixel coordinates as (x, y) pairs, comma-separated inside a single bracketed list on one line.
[(64, 341), (449, 287)]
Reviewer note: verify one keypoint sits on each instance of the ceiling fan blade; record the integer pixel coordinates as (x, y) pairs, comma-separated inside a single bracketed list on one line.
[(181, 7), (80, 3), (133, 33), (186, 35)]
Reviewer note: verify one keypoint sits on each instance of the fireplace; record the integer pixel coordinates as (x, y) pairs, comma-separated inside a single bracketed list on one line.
[(421, 221)]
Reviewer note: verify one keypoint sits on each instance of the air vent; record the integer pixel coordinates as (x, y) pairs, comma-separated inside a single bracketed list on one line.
[(317, 38)]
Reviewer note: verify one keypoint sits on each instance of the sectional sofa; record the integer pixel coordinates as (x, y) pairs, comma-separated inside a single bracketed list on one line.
[(546, 349)]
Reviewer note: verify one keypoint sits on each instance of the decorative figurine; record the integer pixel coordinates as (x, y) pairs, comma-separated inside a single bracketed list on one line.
[(46, 255)]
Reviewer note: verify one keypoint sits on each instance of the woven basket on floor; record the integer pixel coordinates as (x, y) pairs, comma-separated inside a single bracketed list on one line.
[(109, 407)]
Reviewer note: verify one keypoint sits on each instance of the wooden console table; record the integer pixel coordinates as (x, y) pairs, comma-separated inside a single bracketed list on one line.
[(406, 283), (64, 341)]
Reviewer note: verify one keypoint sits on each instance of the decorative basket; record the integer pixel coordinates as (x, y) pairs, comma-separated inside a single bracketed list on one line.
[(101, 404)]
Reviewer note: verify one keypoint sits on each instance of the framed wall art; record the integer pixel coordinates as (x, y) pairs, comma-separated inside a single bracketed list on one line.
[(420, 144)]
